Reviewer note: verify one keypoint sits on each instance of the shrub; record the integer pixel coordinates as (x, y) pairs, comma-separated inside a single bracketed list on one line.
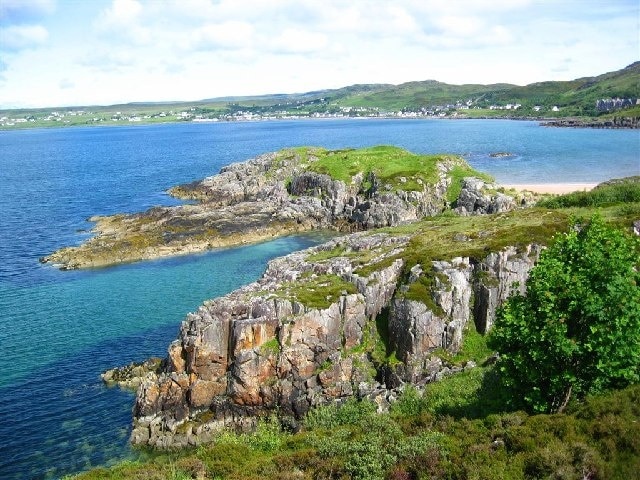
[(577, 330)]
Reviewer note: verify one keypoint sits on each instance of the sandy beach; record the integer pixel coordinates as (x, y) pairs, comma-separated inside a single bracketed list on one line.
[(558, 188)]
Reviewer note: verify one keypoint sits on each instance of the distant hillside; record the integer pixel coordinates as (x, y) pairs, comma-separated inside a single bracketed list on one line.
[(575, 97), (608, 99)]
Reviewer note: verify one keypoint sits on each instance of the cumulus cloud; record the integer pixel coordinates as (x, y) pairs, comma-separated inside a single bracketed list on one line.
[(110, 60), (122, 20), (232, 34), (20, 37)]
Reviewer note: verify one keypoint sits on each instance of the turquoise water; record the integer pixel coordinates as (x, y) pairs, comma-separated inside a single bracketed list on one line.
[(59, 330)]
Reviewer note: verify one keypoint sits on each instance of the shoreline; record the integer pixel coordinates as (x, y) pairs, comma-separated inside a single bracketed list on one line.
[(553, 188), (559, 122)]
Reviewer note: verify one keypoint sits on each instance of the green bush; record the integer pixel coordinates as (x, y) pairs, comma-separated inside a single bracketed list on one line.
[(577, 330), (352, 412)]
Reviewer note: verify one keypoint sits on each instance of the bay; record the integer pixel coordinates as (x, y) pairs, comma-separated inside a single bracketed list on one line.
[(59, 330)]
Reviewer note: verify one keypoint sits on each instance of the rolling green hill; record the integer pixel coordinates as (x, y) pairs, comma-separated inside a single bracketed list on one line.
[(576, 97)]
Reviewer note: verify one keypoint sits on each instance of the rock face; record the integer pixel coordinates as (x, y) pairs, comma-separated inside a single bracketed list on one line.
[(478, 197), (276, 194), (320, 326)]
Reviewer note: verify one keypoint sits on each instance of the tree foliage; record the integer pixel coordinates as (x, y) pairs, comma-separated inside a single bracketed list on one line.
[(577, 329)]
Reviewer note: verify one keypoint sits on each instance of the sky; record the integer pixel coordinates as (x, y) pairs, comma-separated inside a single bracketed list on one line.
[(104, 52)]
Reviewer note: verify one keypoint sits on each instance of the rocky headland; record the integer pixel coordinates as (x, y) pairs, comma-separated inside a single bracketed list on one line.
[(290, 191), (359, 316)]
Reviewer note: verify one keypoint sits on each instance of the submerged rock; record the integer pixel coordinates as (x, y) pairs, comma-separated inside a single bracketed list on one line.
[(501, 155)]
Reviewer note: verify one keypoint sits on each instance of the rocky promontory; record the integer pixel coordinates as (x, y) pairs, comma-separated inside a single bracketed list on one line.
[(289, 191), (359, 316)]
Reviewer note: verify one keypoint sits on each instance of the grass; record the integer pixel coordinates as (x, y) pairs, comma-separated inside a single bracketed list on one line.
[(438, 434), (625, 190), (271, 347), (319, 291), (391, 166), (474, 348)]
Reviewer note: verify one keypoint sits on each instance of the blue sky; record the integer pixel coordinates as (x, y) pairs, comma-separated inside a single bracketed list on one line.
[(100, 52)]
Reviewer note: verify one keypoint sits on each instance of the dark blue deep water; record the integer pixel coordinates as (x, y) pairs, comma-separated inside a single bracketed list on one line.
[(59, 330)]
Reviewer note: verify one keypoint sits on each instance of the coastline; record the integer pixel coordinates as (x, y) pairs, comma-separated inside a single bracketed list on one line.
[(553, 188), (561, 122)]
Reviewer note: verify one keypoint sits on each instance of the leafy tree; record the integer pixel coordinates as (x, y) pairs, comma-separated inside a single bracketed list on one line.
[(577, 330)]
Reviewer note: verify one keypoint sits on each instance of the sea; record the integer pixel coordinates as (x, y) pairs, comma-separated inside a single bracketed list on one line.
[(60, 329)]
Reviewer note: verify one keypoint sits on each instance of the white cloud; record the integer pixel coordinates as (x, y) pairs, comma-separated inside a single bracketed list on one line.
[(232, 34), (66, 84), (106, 61), (295, 40), (20, 37), (122, 22), (121, 13)]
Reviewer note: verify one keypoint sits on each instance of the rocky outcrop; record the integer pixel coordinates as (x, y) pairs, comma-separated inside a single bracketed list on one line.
[(277, 194), (478, 197), (346, 318), (130, 376), (617, 122)]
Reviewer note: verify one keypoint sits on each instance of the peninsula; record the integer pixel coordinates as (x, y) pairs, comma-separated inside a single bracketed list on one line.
[(290, 191)]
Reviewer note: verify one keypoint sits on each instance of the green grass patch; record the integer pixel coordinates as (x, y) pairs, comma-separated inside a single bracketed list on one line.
[(323, 255), (474, 348), (625, 190), (391, 166), (318, 291), (271, 346), (436, 238), (437, 435)]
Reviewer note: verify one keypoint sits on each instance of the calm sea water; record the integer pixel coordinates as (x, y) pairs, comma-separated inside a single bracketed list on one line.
[(59, 330)]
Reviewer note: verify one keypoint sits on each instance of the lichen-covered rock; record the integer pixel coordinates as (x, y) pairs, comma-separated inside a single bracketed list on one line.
[(496, 277), (130, 376), (479, 197), (258, 348)]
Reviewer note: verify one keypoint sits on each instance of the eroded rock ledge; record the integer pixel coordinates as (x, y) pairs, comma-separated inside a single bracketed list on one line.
[(356, 316), (291, 191)]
